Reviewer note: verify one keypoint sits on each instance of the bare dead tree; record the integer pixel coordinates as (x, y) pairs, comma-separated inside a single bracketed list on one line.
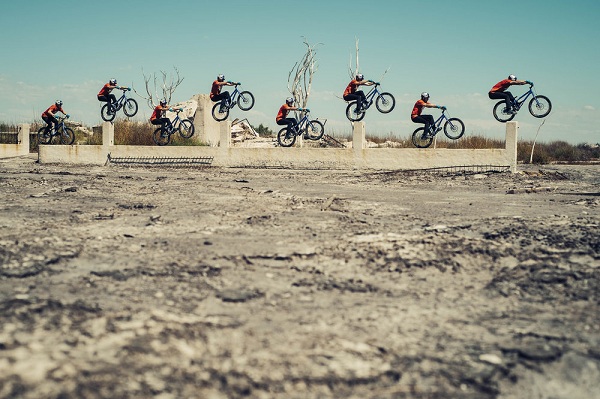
[(301, 75), (160, 86), (353, 71)]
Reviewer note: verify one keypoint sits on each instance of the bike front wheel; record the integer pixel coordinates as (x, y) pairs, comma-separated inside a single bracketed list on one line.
[(454, 128), (67, 136), (130, 108), (186, 129), (315, 130), (245, 101), (285, 138), (217, 114), (352, 114), (43, 137), (161, 138), (420, 139), (107, 113), (385, 103), (540, 106)]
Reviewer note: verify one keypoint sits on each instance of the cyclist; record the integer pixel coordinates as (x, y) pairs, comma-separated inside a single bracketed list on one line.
[(282, 118), (104, 94), (158, 117), (217, 95), (351, 94), (48, 115), (416, 116), (498, 92)]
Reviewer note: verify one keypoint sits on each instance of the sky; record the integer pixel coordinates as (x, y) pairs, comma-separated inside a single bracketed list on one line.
[(455, 50)]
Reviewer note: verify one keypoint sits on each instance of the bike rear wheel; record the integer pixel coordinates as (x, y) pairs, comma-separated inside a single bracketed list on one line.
[(540, 106), (130, 108), (420, 140), (351, 113), (385, 103), (67, 136), (314, 130), (454, 128), (43, 137), (285, 138), (160, 138), (217, 114), (186, 129), (501, 112), (107, 114), (245, 101)]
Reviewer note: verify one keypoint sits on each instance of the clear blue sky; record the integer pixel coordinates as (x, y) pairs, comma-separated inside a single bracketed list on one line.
[(455, 50)]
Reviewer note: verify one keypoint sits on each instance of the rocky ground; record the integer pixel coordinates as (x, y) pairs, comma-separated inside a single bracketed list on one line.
[(180, 282)]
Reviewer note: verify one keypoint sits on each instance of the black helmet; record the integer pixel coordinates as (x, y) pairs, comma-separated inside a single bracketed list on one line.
[(163, 101), (360, 76), (424, 96), (289, 100), (221, 78), (512, 77), (58, 103)]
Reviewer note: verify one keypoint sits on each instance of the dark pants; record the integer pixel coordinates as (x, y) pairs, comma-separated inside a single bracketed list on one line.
[(108, 99), (163, 122), (426, 119), (224, 95), (49, 119), (287, 121), (506, 96), (357, 96)]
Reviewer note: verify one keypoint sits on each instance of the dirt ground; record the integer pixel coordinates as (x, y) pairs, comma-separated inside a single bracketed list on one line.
[(183, 282)]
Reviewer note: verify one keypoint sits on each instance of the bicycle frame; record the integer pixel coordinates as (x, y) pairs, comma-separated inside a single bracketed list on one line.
[(120, 101), (522, 98), (371, 95)]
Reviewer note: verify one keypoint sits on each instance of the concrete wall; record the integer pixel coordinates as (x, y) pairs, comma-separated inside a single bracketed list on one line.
[(22, 146), (357, 157)]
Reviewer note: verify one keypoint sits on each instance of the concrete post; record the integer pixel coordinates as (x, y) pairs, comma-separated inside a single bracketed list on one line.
[(108, 134), (225, 134), (207, 128), (359, 141), (511, 145), (23, 139)]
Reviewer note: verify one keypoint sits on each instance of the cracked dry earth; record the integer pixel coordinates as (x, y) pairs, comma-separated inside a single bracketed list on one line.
[(134, 282)]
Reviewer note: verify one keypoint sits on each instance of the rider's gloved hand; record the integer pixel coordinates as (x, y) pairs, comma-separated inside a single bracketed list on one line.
[(529, 82), (377, 83), (307, 110), (230, 82), (443, 107), (238, 83), (180, 109), (67, 116), (129, 89), (171, 109), (299, 109)]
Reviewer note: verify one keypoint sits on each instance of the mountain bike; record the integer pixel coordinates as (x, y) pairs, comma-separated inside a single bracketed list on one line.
[(385, 103), (539, 106), (312, 129), (129, 105), (66, 134), (454, 129), (243, 99), (184, 127)]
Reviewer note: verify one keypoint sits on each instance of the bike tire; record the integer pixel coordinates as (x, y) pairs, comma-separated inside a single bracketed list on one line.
[(130, 108), (186, 128), (501, 114), (454, 128), (286, 139), (67, 136), (217, 115), (314, 130), (43, 137), (159, 139), (419, 141), (245, 101), (106, 114), (540, 106), (385, 103), (351, 113)]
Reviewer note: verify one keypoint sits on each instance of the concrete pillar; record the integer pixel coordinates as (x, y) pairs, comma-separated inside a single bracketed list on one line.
[(511, 145), (207, 128), (225, 134), (108, 134), (23, 139), (359, 141)]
